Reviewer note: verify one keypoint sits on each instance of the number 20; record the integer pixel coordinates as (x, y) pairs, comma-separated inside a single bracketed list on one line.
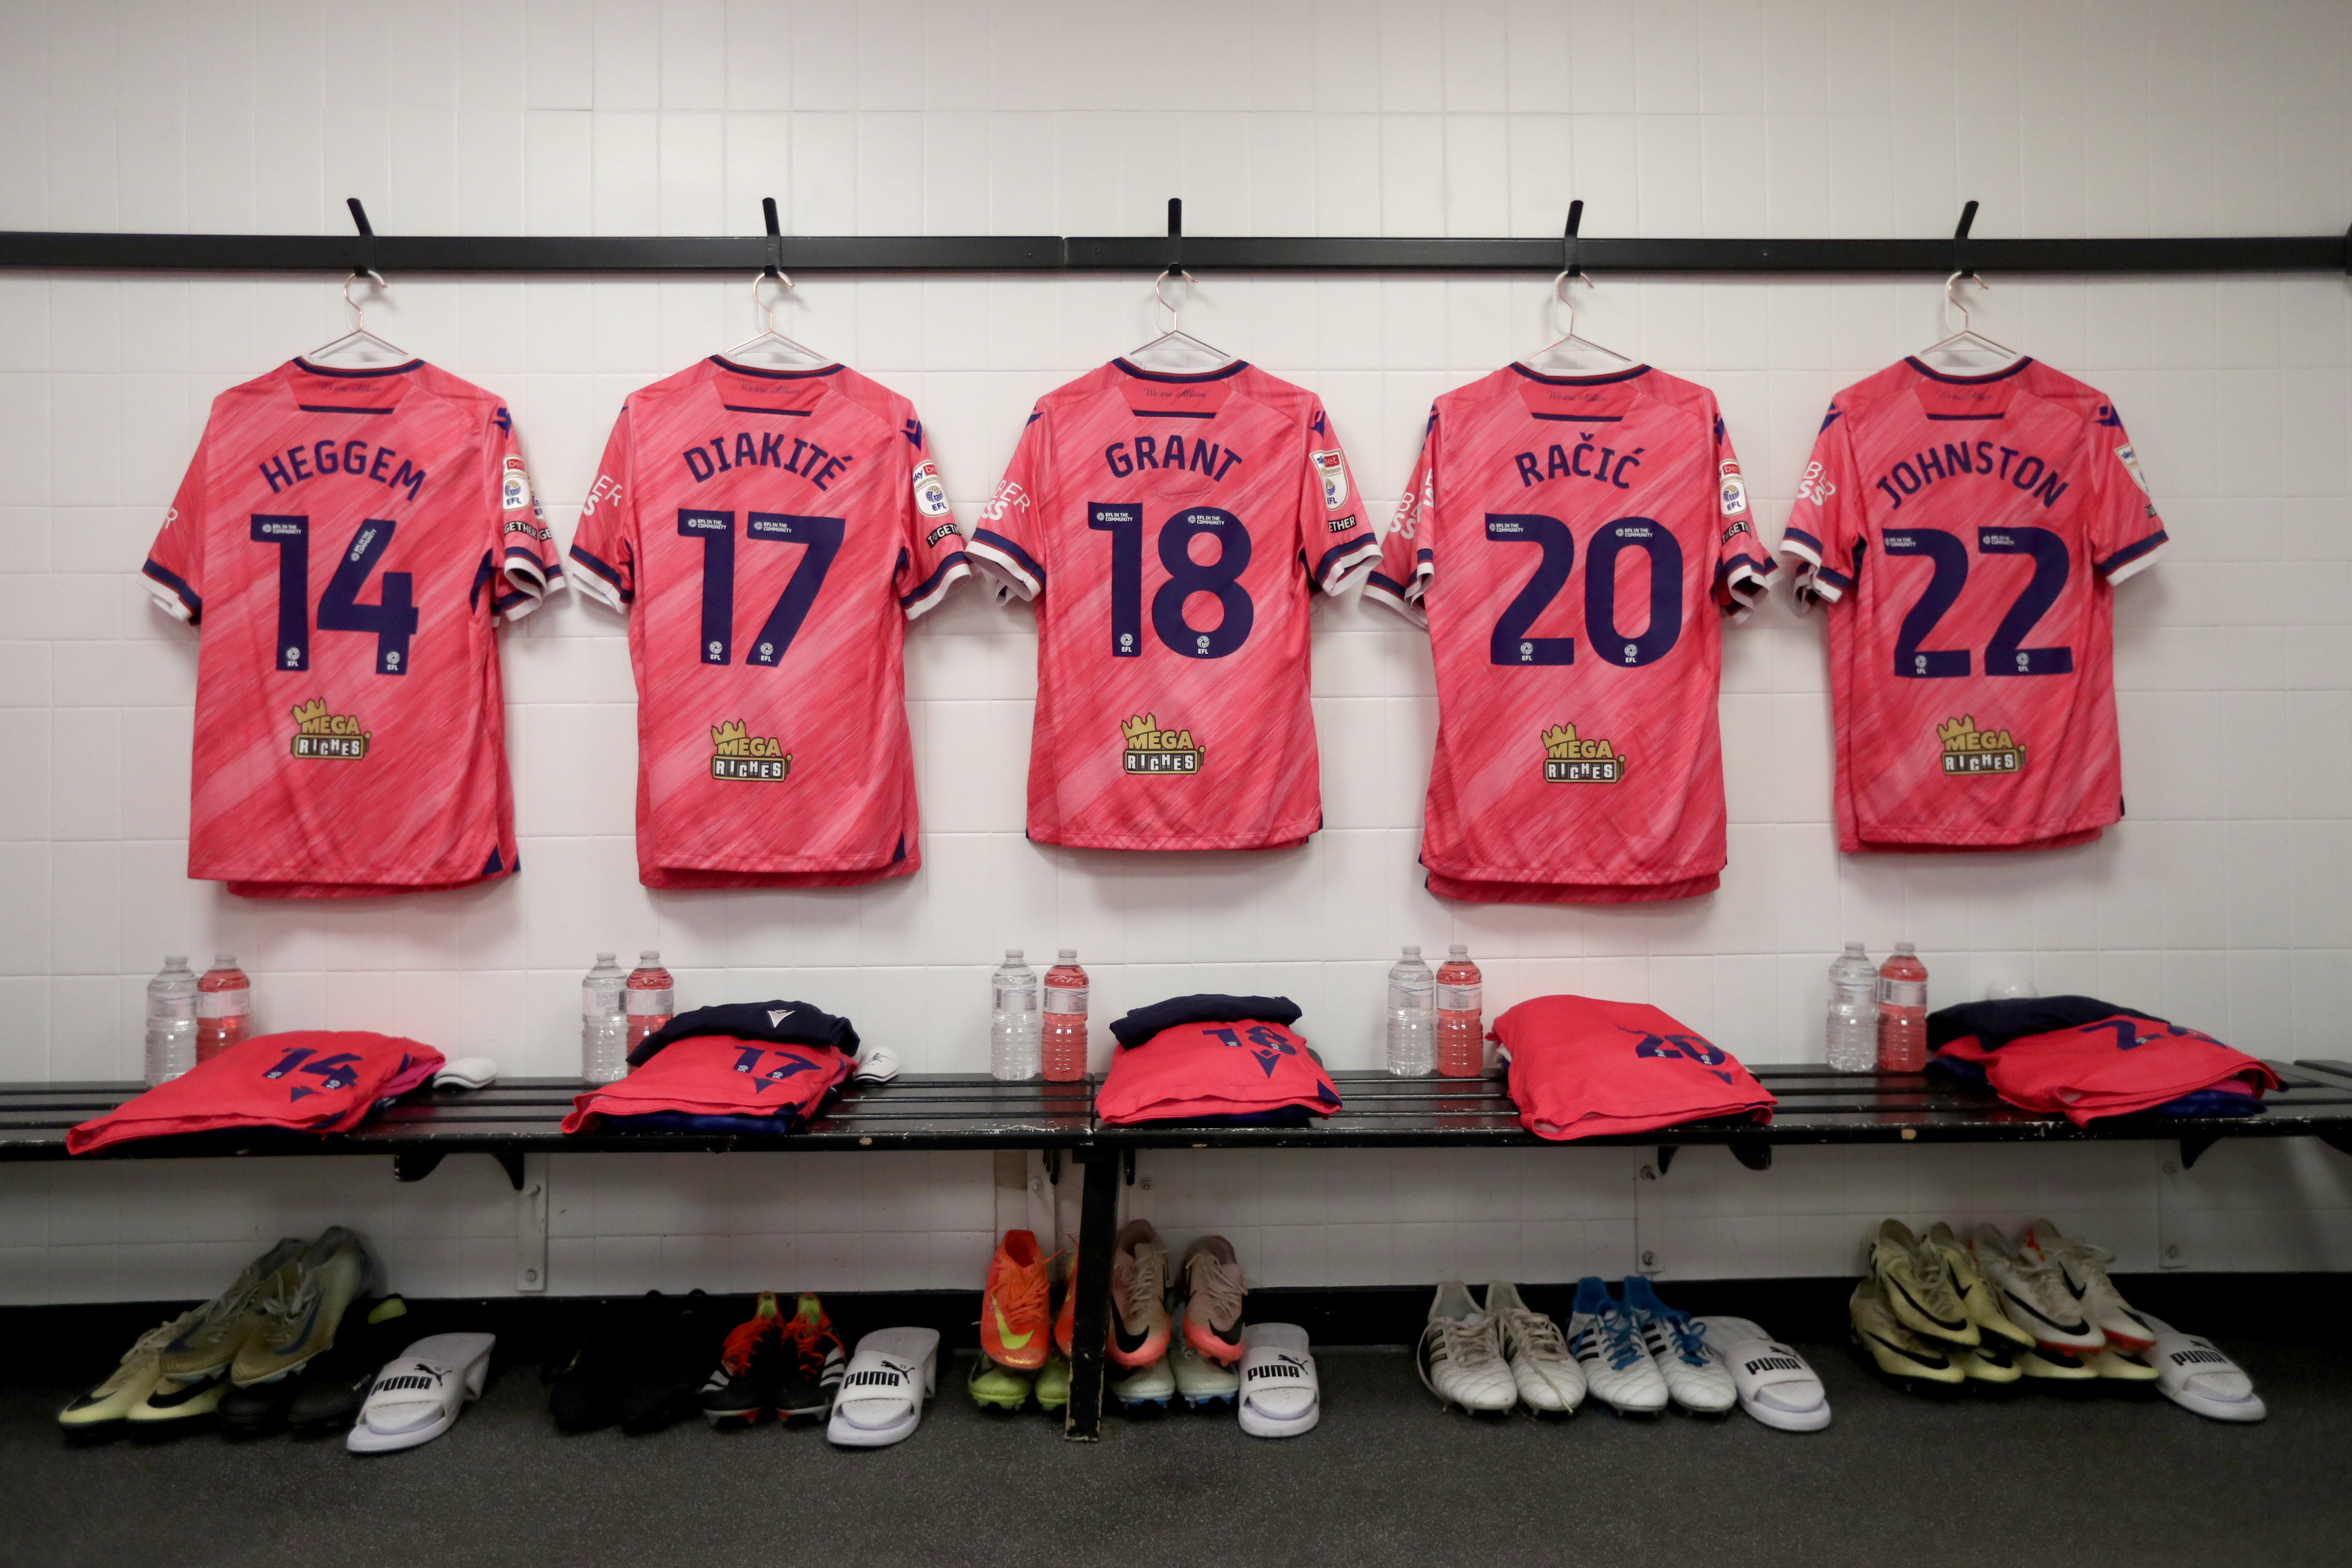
[(1509, 643)]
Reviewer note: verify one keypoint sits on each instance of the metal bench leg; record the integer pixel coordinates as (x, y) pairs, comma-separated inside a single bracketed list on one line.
[(1090, 1325)]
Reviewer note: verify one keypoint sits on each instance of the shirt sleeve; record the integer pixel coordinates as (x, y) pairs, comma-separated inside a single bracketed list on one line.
[(1406, 560), (2126, 534), (604, 546), (931, 559), (1824, 532), (1742, 568), (529, 567), (1334, 540), (1009, 543), (175, 561)]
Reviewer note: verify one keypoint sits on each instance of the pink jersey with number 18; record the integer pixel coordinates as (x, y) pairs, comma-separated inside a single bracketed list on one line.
[(769, 534), (344, 540), (1170, 529), (1573, 544), (1965, 534)]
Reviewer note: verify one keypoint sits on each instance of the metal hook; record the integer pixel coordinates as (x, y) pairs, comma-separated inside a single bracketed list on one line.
[(767, 311), (1559, 292), (1173, 316), (359, 311), (1954, 302)]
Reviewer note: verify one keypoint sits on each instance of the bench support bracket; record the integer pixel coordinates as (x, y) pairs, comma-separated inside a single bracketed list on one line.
[(1090, 1324)]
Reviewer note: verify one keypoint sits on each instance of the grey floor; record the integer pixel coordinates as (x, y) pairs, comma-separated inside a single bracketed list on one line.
[(1388, 1478)]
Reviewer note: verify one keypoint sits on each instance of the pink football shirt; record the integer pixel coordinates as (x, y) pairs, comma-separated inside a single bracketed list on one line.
[(345, 539), (1574, 545), (1968, 533), (1170, 529), (769, 535)]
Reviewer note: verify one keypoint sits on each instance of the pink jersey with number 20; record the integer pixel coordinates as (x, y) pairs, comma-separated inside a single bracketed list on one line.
[(1573, 544)]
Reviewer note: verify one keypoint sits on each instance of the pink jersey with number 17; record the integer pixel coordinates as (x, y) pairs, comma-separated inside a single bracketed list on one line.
[(769, 534), (344, 540), (1170, 529), (1573, 544), (1965, 534)]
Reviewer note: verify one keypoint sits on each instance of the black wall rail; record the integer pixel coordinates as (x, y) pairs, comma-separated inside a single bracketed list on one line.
[(1150, 253)]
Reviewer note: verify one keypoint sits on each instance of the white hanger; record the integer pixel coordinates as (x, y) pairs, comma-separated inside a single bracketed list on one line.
[(366, 348), (1566, 363), (1176, 350), (769, 346), (1967, 341)]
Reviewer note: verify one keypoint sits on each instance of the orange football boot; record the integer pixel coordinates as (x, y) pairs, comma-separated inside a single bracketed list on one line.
[(1014, 1330), (1138, 1296)]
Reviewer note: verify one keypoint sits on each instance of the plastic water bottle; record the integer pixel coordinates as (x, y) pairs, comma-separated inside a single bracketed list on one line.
[(223, 1008), (1412, 991), (1461, 1016), (1852, 1032), (1012, 1024), (604, 1024), (1902, 1012), (1062, 1046), (651, 999), (171, 1021)]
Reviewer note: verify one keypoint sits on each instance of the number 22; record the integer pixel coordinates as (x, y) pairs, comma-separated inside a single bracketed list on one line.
[(2003, 655)]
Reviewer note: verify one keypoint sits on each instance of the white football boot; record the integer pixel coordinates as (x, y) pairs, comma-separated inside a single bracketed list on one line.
[(2083, 1269), (2034, 1297), (1548, 1377), (1604, 1341), (1459, 1359), (1697, 1378)]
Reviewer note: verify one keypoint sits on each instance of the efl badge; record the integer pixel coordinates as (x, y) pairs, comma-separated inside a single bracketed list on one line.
[(1970, 753), (1334, 469), (1568, 760), (930, 492), (735, 754), (514, 487), (1152, 750), (1734, 488)]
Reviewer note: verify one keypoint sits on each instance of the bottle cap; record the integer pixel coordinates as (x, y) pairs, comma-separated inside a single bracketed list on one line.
[(1012, 955), (608, 957), (1067, 955), (1854, 947), (1459, 950), (648, 955), (223, 961), (175, 961), (1412, 952), (1904, 947)]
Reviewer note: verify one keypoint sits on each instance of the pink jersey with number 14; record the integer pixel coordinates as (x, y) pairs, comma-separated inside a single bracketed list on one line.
[(344, 540)]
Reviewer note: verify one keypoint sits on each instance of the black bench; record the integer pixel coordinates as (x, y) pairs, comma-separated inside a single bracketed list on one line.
[(521, 1116)]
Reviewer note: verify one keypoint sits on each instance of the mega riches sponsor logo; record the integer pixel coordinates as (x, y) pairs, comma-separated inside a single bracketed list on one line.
[(1970, 752), (1152, 750), (738, 754), (1570, 759), (318, 733)]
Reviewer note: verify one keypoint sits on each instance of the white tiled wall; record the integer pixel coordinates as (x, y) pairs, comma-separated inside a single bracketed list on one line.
[(2222, 902)]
